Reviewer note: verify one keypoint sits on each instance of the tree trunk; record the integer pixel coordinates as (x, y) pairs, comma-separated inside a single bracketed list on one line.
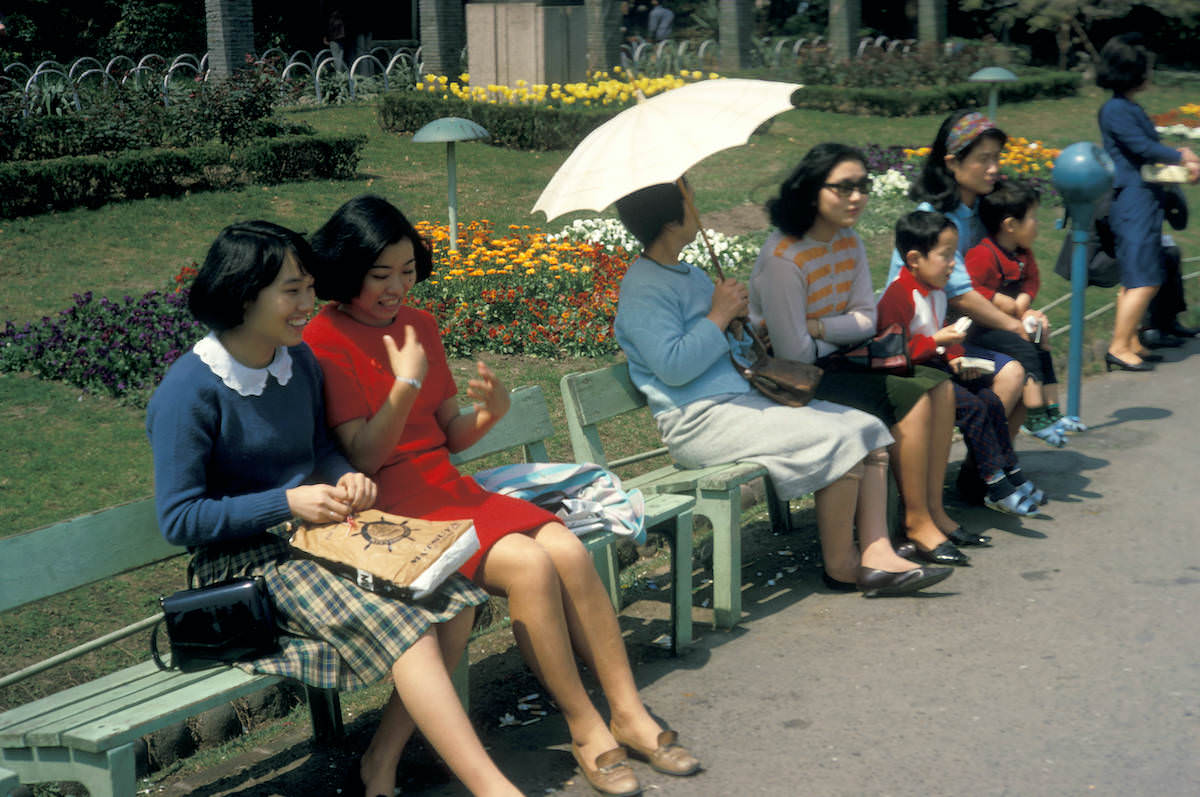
[(230, 35), (443, 36), (845, 18), (603, 35), (735, 31)]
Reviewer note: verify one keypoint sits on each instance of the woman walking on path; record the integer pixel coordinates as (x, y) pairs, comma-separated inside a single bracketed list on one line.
[(1136, 216)]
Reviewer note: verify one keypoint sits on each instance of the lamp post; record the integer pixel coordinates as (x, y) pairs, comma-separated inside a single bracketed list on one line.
[(994, 75), (450, 129), (1082, 174)]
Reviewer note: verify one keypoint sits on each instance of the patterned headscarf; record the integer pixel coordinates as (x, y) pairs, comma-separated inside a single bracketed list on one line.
[(966, 130)]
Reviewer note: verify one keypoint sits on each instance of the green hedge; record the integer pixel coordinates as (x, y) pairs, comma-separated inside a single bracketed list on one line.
[(521, 127), (28, 187), (918, 102)]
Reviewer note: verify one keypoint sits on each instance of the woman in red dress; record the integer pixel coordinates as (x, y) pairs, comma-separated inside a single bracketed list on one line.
[(391, 401)]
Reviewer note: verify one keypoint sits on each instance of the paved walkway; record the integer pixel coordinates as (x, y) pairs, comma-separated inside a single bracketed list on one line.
[(1066, 661)]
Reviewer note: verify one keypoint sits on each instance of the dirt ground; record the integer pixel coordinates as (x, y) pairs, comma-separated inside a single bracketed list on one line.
[(290, 765)]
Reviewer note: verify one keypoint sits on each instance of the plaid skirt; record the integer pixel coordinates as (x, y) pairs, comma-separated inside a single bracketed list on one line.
[(333, 635)]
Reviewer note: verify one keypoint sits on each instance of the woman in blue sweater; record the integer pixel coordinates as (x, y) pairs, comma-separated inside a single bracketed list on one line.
[(1137, 206), (240, 445)]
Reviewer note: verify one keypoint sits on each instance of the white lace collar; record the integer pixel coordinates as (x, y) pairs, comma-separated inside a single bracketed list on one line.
[(246, 381)]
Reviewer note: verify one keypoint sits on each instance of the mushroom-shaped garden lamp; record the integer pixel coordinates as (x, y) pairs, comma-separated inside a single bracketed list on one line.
[(450, 129)]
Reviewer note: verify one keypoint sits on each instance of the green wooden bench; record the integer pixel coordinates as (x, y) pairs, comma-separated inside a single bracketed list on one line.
[(87, 733), (527, 426), (8, 782), (593, 397)]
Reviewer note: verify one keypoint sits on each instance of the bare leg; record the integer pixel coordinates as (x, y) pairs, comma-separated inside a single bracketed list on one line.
[(382, 757), (910, 457), (424, 691), (858, 498), (519, 567), (596, 634), (1131, 306), (941, 433)]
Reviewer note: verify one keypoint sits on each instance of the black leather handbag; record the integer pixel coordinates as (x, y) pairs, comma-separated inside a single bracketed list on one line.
[(218, 624)]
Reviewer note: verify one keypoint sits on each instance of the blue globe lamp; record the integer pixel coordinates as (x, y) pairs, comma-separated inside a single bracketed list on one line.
[(1083, 173)]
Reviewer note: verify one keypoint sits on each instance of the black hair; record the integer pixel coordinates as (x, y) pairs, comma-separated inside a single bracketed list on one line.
[(1010, 198), (936, 184), (648, 210), (919, 231), (349, 244), (794, 211), (1124, 63), (245, 258)]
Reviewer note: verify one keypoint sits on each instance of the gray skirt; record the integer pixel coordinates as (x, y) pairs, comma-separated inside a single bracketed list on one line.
[(803, 448)]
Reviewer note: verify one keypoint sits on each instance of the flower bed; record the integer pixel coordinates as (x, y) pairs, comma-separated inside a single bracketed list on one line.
[(615, 88), (1181, 121)]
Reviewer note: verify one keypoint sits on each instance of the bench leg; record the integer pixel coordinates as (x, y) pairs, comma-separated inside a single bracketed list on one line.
[(325, 711), (461, 678), (107, 774), (724, 510), (777, 508), (605, 561), (681, 583)]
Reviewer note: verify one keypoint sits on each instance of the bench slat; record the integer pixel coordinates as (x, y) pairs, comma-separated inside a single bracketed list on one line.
[(24, 713), (526, 425), (66, 555), (57, 716), (148, 714)]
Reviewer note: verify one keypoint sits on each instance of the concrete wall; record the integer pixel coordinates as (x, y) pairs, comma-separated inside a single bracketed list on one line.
[(507, 42), (443, 35)]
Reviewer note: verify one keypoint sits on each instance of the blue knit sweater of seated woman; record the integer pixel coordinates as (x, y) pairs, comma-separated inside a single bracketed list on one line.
[(676, 354), (224, 461)]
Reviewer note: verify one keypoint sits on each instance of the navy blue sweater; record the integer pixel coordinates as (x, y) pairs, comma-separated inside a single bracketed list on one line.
[(223, 461)]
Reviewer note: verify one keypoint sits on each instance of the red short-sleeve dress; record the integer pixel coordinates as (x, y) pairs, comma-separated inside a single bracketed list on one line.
[(417, 480)]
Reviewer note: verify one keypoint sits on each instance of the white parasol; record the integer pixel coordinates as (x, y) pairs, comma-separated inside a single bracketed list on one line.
[(659, 139)]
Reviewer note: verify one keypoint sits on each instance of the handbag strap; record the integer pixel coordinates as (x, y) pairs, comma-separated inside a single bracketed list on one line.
[(154, 647)]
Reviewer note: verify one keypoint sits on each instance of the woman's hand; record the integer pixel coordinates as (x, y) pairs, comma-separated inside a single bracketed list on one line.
[(360, 491), (730, 300), (407, 361), (319, 503), (489, 394)]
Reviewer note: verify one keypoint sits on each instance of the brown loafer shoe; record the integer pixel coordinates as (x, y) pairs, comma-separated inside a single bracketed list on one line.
[(612, 775), (670, 758)]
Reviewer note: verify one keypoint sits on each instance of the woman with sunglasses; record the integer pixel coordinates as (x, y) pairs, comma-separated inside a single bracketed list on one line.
[(812, 287)]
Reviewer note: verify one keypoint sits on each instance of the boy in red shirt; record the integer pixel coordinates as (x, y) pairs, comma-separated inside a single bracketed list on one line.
[(916, 301), (1003, 270)]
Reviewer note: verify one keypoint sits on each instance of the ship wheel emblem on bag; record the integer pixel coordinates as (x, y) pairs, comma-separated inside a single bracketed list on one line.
[(383, 532)]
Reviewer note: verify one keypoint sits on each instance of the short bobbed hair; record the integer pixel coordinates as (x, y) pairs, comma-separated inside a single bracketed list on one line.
[(350, 243), (919, 231), (648, 210), (1124, 63), (1009, 199), (245, 258), (795, 210), (936, 183)]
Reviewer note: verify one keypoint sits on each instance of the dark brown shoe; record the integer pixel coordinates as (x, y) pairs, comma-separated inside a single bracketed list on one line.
[(612, 774), (669, 758)]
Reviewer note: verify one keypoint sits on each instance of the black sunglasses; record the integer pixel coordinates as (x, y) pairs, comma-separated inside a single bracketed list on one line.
[(846, 188)]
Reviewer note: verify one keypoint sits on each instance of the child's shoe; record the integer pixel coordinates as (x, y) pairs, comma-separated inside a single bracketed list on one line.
[(1067, 423), (1026, 487), (1003, 496), (1040, 425)]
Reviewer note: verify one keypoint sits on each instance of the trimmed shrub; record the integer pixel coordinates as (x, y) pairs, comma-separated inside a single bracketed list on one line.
[(277, 160), (511, 126), (28, 187), (918, 102)]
